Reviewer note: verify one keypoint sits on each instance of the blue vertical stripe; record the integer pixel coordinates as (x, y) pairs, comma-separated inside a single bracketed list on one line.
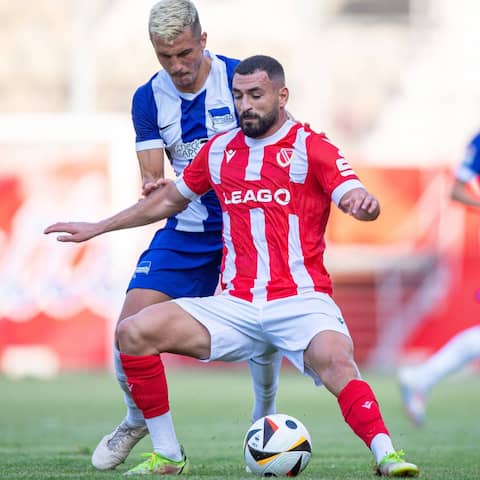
[(194, 118)]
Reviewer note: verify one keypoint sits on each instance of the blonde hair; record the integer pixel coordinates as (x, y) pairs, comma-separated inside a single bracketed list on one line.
[(170, 18)]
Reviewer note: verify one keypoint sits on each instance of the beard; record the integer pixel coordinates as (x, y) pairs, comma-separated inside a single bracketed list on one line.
[(260, 126)]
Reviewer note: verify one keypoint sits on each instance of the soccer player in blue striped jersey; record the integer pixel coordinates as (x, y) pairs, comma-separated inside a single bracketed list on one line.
[(175, 113), (467, 172), (417, 381)]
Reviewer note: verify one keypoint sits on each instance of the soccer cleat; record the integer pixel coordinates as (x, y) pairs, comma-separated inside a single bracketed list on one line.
[(393, 465), (114, 448), (158, 465), (413, 398)]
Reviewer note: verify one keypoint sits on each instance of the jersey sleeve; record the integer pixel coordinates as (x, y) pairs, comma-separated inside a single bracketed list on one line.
[(144, 117), (194, 181), (332, 171)]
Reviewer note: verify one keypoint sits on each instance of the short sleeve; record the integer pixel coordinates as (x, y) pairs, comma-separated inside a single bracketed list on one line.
[(144, 117), (332, 170)]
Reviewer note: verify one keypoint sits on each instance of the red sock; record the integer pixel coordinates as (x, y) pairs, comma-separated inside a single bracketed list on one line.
[(147, 383), (361, 411)]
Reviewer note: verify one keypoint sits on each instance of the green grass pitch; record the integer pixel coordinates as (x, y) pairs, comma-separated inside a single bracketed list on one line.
[(49, 428)]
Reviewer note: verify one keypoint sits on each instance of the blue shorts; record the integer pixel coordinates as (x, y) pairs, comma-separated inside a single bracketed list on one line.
[(180, 264)]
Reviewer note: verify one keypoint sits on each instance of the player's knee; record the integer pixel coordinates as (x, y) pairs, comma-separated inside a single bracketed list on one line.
[(131, 339)]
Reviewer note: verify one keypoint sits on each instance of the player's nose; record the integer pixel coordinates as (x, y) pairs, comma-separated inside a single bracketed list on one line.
[(245, 105)]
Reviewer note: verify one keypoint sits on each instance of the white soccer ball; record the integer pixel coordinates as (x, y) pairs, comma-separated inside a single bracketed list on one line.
[(277, 446)]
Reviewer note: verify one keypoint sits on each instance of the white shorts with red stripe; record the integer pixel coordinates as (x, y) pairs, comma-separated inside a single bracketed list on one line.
[(241, 330)]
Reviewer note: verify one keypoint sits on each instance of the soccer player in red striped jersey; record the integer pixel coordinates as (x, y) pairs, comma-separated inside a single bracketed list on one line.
[(275, 179)]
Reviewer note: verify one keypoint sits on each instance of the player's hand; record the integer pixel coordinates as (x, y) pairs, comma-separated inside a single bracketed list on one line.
[(149, 187), (77, 231), (360, 204)]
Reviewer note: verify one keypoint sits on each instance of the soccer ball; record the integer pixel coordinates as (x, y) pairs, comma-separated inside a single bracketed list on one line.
[(277, 446)]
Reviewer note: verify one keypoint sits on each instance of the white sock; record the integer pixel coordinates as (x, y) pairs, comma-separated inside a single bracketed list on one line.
[(460, 350), (265, 371), (164, 438), (381, 445), (134, 415)]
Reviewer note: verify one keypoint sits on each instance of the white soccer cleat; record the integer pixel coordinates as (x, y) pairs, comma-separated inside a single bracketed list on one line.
[(413, 398), (114, 448)]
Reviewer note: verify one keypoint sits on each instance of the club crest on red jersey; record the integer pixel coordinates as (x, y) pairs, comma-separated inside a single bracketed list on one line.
[(284, 156)]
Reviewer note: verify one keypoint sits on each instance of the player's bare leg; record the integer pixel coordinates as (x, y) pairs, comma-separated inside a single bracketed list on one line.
[(330, 355), (158, 328)]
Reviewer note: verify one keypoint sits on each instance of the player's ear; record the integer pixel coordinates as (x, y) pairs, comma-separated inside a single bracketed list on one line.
[(283, 94), (203, 39)]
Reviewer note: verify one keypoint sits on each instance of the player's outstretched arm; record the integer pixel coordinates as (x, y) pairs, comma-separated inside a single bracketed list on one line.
[(461, 193), (360, 204), (159, 204)]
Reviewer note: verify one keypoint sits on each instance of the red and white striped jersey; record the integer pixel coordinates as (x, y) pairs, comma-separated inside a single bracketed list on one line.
[(275, 195)]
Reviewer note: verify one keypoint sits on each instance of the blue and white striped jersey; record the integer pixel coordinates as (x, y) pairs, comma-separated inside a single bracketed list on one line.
[(181, 123), (470, 166)]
